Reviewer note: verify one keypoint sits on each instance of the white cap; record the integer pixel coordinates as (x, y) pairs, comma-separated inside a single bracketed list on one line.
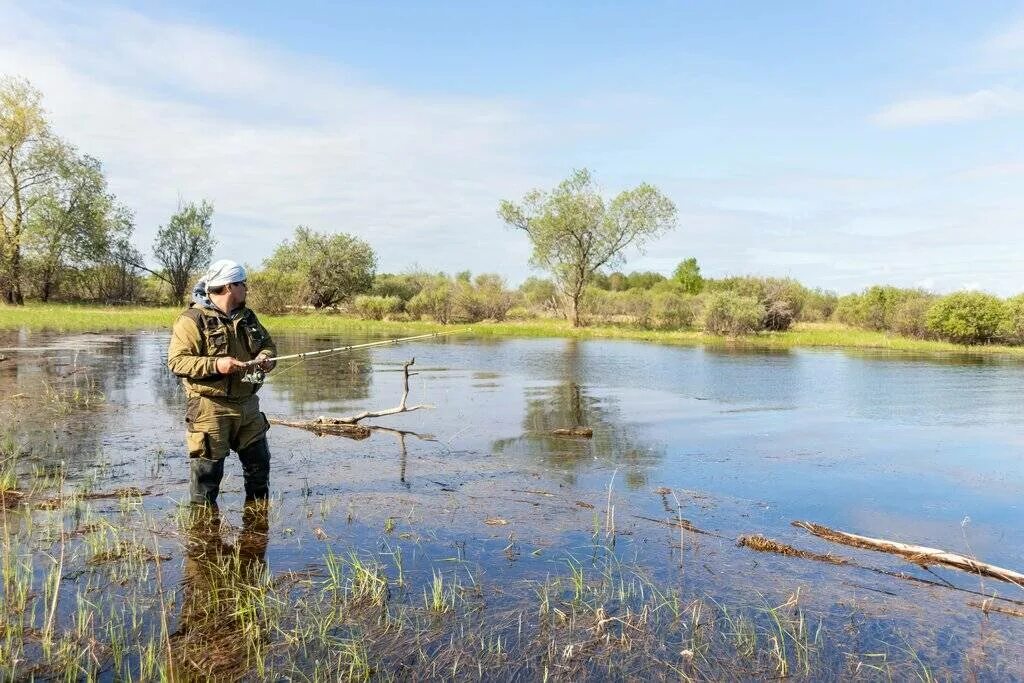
[(223, 272)]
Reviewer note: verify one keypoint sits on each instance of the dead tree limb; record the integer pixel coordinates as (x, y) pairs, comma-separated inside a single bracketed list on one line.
[(348, 426), (400, 408), (918, 554)]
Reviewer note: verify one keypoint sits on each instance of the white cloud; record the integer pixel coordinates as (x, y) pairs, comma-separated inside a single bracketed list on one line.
[(274, 139), (1004, 50), (975, 106)]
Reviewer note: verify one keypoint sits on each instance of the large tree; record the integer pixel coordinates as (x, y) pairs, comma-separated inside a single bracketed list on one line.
[(184, 246), (74, 224), (332, 268), (28, 154), (575, 232)]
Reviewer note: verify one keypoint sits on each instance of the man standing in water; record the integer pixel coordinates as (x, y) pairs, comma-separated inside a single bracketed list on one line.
[(210, 345)]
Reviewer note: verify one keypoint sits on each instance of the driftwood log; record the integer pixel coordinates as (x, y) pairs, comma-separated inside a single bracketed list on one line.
[(575, 432), (918, 554), (349, 426)]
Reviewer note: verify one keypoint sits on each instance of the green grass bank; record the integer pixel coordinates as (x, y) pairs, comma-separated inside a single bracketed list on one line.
[(69, 318)]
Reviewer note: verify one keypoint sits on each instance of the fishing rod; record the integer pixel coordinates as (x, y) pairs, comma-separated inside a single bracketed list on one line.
[(256, 376)]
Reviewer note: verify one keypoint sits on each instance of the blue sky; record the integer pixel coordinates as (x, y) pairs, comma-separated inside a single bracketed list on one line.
[(843, 144)]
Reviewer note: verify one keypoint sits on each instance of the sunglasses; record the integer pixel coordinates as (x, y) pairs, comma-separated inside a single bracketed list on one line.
[(240, 284)]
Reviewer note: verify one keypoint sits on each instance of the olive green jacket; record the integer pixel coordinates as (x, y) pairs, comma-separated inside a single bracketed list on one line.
[(202, 335)]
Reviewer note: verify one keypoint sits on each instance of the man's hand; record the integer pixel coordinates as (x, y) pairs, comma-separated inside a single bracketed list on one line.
[(264, 364), (227, 365)]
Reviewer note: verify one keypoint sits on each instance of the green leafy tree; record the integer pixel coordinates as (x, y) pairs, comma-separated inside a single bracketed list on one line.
[(28, 154), (1013, 328), (967, 317), (75, 224), (333, 268), (184, 246), (574, 231), (687, 274)]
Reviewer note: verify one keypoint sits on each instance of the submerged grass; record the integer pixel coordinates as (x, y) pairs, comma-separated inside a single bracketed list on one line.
[(133, 596), (73, 318)]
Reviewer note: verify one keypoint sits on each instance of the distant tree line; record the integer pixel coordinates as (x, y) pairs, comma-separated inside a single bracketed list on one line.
[(65, 237)]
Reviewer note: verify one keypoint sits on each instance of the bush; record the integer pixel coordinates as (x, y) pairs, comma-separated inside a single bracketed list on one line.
[(404, 287), (781, 299), (730, 314), (436, 299), (819, 306), (630, 306), (875, 308), (272, 291), (486, 298), (967, 317), (540, 295), (370, 307), (1013, 324), (674, 310), (333, 267), (911, 317)]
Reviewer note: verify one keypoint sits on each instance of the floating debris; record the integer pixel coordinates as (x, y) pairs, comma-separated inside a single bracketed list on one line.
[(918, 554), (767, 545), (574, 432)]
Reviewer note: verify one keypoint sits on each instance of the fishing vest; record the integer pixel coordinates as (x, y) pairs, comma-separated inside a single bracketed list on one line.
[(242, 338)]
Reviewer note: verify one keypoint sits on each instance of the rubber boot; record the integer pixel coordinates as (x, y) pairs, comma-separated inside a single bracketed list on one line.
[(256, 470)]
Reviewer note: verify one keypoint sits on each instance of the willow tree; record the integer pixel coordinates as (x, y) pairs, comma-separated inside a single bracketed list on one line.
[(575, 232)]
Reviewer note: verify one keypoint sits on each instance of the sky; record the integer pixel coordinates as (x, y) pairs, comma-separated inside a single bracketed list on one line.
[(842, 144)]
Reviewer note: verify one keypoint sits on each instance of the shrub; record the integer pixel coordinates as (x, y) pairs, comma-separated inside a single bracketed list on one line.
[(875, 308), (911, 317), (273, 291), (967, 317), (404, 287), (1013, 324), (370, 307), (672, 310), (540, 295), (819, 305), (333, 267), (486, 298), (436, 299), (781, 299), (777, 316), (729, 313)]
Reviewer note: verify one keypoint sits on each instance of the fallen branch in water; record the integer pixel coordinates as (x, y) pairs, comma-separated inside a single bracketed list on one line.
[(918, 554), (679, 523), (323, 426), (574, 432), (986, 606), (767, 545), (348, 426)]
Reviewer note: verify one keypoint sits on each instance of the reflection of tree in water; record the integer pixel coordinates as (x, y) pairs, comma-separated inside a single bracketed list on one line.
[(50, 400), (165, 385), (318, 381), (570, 404)]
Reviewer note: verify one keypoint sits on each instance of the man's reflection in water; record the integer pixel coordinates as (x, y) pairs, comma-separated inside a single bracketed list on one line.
[(223, 585)]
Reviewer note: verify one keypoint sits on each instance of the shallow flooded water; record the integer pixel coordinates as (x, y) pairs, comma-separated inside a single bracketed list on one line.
[(470, 541)]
